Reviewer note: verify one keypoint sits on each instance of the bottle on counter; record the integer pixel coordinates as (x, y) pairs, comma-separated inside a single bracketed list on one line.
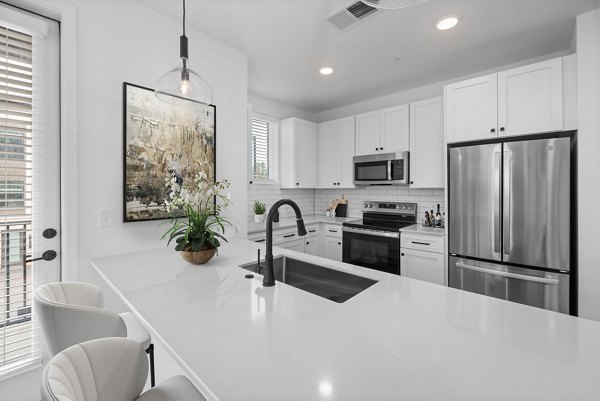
[(438, 217), (426, 221)]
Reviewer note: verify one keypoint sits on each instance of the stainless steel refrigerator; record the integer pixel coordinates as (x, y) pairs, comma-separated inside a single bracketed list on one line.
[(510, 221)]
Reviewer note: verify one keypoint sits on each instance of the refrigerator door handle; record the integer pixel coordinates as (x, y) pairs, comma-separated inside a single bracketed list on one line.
[(497, 169), (507, 213), (549, 281)]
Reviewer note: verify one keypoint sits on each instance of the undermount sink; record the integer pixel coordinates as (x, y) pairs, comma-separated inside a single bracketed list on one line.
[(328, 283)]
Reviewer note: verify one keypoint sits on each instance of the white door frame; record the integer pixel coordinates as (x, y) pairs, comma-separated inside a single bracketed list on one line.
[(66, 13)]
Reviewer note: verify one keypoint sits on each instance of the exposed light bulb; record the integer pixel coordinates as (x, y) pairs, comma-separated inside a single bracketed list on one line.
[(185, 86), (326, 71)]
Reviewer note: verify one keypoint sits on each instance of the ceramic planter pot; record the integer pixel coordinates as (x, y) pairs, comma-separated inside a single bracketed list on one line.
[(198, 257), (259, 218)]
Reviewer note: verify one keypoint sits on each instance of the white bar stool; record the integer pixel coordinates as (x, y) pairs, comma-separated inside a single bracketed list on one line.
[(109, 369), (71, 313)]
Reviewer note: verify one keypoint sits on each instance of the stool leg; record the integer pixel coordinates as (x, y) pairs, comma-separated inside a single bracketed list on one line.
[(150, 352)]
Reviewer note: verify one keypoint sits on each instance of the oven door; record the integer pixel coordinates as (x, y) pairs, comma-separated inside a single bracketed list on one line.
[(378, 250)]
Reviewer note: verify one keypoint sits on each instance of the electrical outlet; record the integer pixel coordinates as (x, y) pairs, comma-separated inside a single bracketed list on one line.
[(106, 218)]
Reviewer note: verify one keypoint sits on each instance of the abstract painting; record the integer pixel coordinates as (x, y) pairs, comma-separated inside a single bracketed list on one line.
[(162, 141)]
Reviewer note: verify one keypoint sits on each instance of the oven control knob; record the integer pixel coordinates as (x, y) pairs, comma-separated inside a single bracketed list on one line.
[(370, 205), (366, 205)]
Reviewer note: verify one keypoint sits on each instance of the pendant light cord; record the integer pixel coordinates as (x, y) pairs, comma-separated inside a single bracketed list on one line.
[(183, 17)]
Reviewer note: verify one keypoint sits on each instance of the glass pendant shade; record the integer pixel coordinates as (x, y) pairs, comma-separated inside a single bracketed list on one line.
[(183, 83), (393, 4)]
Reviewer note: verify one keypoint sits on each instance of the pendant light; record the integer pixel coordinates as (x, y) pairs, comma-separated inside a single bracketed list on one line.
[(393, 4), (183, 83)]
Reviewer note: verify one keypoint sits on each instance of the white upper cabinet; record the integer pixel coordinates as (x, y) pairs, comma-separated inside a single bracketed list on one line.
[(336, 150), (346, 143), (471, 109), (382, 131), (298, 154), (328, 154), (527, 100), (427, 143), (530, 99), (367, 133), (394, 129)]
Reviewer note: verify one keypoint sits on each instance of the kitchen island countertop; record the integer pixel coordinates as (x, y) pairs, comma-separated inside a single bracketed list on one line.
[(400, 339)]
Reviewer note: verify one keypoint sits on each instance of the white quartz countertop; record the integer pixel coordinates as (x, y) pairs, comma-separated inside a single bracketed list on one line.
[(420, 229), (254, 228), (401, 339)]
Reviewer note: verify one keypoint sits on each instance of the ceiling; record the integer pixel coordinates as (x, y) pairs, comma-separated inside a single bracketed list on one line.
[(287, 41)]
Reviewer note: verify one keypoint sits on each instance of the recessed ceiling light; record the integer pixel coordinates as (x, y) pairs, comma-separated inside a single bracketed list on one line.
[(326, 71), (447, 22)]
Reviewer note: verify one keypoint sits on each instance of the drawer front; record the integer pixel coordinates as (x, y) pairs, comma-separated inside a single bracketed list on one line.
[(333, 230), (312, 231), (421, 242), (258, 237), (285, 235)]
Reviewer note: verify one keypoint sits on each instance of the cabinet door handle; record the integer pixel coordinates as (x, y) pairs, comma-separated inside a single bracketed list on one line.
[(333, 231), (339, 243), (308, 243), (289, 235), (502, 129), (312, 231), (376, 148), (421, 243), (401, 254), (380, 148), (260, 240), (493, 130), (297, 183)]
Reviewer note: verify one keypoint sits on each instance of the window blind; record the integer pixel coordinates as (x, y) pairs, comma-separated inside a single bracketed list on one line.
[(17, 342), (262, 143)]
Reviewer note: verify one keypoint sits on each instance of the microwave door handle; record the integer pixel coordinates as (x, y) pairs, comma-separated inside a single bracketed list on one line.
[(389, 170), (549, 281)]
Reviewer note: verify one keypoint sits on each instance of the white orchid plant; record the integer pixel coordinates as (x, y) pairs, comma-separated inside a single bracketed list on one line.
[(201, 202)]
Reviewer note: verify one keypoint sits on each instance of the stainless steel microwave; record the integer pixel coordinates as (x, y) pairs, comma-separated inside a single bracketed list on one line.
[(382, 169)]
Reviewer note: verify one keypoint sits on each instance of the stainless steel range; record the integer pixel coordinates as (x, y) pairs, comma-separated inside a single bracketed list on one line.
[(374, 241)]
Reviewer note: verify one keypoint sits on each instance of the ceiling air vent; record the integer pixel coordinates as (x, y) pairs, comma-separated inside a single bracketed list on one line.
[(350, 15)]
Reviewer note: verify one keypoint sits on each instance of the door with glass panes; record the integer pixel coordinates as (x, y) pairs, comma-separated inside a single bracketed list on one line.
[(29, 178)]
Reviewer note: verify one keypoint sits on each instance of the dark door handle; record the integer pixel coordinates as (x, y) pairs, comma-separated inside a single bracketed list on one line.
[(493, 130), (502, 129), (47, 256), (49, 233), (420, 243), (289, 235)]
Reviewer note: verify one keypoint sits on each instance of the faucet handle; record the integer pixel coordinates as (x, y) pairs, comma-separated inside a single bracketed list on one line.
[(301, 227), (275, 216)]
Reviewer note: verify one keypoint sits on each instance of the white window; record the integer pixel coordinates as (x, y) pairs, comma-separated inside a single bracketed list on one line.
[(264, 132)]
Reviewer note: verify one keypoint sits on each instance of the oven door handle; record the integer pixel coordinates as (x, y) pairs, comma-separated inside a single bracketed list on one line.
[(371, 232), (524, 277)]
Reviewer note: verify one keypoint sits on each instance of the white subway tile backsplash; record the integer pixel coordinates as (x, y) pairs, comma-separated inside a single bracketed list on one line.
[(316, 201)]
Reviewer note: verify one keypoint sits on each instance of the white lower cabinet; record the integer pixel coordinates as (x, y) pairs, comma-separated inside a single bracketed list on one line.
[(333, 248), (426, 266), (422, 257), (311, 246)]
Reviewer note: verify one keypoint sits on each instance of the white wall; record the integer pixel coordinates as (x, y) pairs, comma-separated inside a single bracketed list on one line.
[(277, 109), (588, 101), (122, 40)]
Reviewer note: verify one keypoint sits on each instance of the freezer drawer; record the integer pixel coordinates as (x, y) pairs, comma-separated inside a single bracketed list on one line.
[(530, 287)]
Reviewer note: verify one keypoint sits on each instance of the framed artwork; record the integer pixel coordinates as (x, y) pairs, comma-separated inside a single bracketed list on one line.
[(162, 141)]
